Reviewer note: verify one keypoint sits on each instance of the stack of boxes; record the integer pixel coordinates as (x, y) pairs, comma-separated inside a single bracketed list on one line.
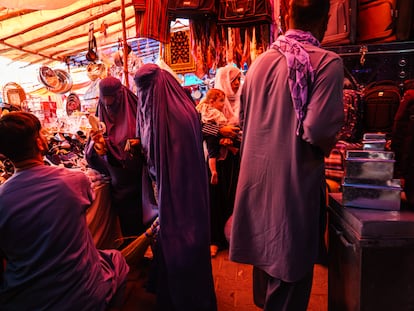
[(368, 181)]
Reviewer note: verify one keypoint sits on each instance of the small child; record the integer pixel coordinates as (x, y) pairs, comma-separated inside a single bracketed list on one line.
[(211, 110)]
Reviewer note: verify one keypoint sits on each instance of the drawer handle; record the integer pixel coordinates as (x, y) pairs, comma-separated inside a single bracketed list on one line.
[(342, 238)]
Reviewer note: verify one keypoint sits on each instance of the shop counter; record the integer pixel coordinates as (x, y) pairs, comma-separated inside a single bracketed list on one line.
[(371, 266)]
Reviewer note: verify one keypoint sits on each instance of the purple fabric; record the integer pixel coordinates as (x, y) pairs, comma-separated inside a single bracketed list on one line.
[(109, 86), (130, 198), (52, 262), (117, 117), (171, 138), (125, 169), (300, 71)]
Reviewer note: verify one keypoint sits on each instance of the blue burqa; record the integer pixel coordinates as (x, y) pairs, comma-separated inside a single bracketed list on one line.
[(170, 132)]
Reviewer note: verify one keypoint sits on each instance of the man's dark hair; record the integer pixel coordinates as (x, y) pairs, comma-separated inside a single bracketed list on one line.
[(18, 133), (307, 13)]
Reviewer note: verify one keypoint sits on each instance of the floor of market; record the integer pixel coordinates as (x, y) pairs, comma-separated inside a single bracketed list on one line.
[(233, 284)]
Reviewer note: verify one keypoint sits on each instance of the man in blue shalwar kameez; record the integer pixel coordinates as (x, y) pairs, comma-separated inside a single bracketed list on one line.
[(51, 260)]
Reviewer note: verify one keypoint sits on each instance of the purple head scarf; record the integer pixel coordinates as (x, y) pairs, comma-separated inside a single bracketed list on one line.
[(171, 138), (300, 71), (109, 86), (119, 118)]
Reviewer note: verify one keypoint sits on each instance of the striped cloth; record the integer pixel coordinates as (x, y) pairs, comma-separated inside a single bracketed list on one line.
[(335, 163), (210, 129)]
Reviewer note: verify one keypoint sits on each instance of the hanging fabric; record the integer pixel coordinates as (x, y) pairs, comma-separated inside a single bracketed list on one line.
[(193, 8), (242, 13), (152, 20)]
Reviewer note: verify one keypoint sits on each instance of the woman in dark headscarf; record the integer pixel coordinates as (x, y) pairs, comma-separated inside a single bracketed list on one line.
[(171, 139), (113, 156)]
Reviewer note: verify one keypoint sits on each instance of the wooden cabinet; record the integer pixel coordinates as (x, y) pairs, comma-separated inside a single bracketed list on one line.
[(371, 266)]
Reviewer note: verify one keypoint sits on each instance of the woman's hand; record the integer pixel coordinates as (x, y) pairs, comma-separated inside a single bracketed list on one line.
[(226, 142), (100, 144), (229, 131), (132, 146)]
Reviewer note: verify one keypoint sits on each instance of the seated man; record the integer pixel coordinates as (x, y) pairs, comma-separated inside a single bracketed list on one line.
[(51, 260)]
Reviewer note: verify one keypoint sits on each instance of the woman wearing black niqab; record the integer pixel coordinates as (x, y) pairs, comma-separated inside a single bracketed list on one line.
[(117, 108)]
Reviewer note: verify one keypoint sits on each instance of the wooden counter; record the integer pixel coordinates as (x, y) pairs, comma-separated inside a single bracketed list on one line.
[(371, 265)]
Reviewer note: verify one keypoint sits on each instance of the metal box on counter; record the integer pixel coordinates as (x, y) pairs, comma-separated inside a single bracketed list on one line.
[(378, 144), (371, 169), (368, 181), (370, 154), (374, 141), (386, 196)]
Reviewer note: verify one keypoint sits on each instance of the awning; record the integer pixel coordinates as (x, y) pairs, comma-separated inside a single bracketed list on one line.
[(48, 36)]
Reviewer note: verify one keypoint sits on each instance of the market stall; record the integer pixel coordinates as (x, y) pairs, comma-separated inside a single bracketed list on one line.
[(72, 45)]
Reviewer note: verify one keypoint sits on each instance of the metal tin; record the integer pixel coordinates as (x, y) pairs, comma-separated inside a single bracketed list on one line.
[(371, 154), (374, 136), (374, 169), (371, 196), (378, 144), (387, 183)]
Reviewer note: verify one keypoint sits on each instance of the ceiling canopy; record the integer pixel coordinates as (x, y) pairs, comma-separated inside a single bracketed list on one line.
[(44, 32), (35, 4)]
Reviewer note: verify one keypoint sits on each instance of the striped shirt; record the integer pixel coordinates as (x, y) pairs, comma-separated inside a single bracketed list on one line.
[(210, 129)]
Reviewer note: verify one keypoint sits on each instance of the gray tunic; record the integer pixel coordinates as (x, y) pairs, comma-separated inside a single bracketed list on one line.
[(276, 224)]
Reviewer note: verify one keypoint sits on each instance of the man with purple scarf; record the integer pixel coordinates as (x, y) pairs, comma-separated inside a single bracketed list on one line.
[(291, 105), (170, 131)]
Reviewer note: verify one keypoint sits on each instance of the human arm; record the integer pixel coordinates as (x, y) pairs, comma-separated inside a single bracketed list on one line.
[(213, 169), (213, 150), (229, 131), (99, 142), (94, 160), (212, 129), (133, 146), (325, 113), (96, 135)]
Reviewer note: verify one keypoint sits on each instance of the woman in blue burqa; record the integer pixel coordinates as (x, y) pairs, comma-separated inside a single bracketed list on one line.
[(170, 132), (111, 152)]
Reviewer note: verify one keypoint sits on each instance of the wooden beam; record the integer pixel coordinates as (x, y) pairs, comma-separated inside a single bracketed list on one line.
[(68, 28), (61, 42), (31, 52), (14, 13), (77, 51), (80, 10), (23, 51)]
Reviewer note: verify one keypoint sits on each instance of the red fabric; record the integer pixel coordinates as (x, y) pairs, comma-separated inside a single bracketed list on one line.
[(335, 163), (153, 22), (139, 5)]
